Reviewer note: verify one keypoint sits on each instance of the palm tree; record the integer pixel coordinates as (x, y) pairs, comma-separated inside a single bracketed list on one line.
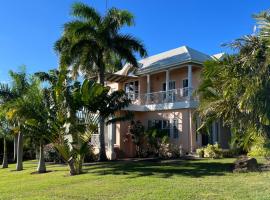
[(8, 97), (33, 110), (4, 133), (91, 40), (235, 90)]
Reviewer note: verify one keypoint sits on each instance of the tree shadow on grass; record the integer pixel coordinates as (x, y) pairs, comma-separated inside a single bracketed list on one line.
[(163, 169)]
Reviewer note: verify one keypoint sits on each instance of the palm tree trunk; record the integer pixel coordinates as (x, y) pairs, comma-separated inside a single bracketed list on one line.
[(71, 164), (19, 165), (15, 147), (102, 150), (41, 163), (5, 159)]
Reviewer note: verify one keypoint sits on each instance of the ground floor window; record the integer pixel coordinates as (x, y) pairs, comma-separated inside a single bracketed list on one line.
[(170, 127)]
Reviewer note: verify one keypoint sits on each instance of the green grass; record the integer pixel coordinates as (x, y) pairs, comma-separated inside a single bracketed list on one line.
[(204, 179)]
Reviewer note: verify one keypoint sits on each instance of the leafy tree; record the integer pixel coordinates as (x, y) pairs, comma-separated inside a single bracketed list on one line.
[(92, 42)]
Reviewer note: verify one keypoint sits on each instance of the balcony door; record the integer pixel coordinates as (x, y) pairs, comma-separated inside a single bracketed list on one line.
[(185, 87), (171, 93), (132, 89)]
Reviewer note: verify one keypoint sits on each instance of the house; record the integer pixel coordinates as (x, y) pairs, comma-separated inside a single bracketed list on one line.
[(161, 91)]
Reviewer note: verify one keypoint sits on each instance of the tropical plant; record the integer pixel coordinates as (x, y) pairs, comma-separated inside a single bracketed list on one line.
[(5, 133), (155, 139), (138, 136), (106, 104), (235, 90), (91, 42), (8, 97)]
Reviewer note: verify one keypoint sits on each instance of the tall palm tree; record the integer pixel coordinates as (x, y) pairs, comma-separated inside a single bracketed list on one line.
[(4, 133), (8, 97), (91, 40), (33, 110)]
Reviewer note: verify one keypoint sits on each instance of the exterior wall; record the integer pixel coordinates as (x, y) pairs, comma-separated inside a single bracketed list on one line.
[(184, 116)]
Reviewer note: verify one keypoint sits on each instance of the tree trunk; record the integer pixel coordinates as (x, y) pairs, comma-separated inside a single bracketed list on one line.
[(102, 150), (5, 159), (37, 149), (19, 165), (71, 167), (15, 147), (41, 163)]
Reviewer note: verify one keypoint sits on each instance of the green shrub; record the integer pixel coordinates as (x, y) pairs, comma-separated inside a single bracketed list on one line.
[(229, 153), (260, 148), (212, 151), (168, 151), (50, 154), (200, 152)]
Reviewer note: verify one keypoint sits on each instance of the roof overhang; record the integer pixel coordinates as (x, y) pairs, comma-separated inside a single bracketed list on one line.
[(118, 78)]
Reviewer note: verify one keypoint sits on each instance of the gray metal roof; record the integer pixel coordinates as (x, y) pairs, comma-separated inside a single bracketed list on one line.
[(172, 57)]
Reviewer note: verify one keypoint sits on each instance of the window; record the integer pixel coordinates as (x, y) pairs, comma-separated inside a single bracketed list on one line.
[(185, 87), (185, 83), (132, 89), (166, 126), (171, 86), (171, 129), (150, 124)]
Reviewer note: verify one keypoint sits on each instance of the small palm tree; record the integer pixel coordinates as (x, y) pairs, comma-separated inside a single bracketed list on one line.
[(91, 41)]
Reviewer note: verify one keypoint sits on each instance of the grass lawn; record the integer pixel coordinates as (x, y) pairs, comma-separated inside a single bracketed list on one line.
[(203, 179)]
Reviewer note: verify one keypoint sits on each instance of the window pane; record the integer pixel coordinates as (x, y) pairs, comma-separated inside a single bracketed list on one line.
[(185, 83)]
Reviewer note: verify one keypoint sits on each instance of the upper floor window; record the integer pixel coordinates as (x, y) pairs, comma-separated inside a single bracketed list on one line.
[(171, 86), (185, 87), (132, 89)]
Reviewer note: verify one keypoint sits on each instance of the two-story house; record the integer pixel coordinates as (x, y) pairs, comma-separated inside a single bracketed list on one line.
[(161, 91)]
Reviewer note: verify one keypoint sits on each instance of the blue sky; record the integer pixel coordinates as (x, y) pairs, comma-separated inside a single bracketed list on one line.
[(29, 28)]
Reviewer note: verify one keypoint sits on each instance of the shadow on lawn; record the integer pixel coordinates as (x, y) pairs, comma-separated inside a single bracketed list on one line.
[(164, 169)]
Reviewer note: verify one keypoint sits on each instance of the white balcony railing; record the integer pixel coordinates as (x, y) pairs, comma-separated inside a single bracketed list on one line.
[(170, 96)]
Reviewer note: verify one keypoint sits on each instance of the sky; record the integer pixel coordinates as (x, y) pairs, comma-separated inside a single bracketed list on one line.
[(29, 28)]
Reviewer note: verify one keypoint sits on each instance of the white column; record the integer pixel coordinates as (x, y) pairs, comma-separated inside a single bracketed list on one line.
[(111, 135), (148, 89), (167, 84), (189, 81)]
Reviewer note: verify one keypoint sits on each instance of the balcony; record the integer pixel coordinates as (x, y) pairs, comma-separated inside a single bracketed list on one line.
[(161, 97)]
